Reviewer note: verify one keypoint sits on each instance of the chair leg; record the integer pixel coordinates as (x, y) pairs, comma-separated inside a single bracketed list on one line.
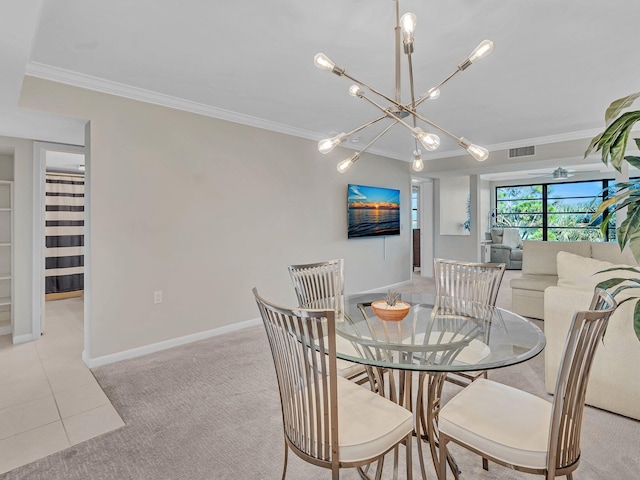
[(485, 464), (408, 446), (570, 476), (286, 456), (442, 464)]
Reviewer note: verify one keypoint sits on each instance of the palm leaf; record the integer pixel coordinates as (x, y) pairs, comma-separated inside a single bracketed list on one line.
[(618, 269), (634, 161), (610, 283), (618, 105), (631, 225), (636, 320)]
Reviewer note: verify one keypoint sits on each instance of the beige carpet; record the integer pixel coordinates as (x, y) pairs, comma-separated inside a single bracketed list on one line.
[(210, 410)]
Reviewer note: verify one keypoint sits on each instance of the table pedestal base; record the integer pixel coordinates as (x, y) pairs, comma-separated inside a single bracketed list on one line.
[(397, 386)]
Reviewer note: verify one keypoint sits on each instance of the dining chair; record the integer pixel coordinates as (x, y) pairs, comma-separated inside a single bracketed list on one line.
[(522, 431), (465, 284), (321, 285), (327, 420)]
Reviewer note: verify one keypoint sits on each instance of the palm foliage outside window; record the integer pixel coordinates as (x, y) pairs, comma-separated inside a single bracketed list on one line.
[(553, 211)]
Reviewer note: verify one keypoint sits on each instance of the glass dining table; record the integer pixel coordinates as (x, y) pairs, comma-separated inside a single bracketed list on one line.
[(408, 359)]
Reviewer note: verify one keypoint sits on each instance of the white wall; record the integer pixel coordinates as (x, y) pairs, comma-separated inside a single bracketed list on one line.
[(456, 247), (204, 210), (484, 209), (454, 192)]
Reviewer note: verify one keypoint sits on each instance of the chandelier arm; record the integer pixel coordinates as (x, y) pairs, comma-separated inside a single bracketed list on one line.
[(422, 99), (387, 112), (361, 127), (413, 97), (412, 90), (396, 32), (414, 114), (380, 94), (436, 126), (377, 137)]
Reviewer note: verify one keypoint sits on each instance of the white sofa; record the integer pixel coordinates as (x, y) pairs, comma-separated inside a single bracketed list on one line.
[(614, 384), (539, 270)]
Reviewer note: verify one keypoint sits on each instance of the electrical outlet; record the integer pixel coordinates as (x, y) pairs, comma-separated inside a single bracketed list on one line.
[(157, 296)]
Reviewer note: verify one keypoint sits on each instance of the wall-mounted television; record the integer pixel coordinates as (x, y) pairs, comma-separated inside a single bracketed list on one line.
[(373, 211)]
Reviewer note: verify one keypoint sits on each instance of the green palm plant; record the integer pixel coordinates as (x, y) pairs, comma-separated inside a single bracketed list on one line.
[(612, 144)]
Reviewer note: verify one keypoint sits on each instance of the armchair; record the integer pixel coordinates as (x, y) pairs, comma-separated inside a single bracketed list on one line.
[(506, 247)]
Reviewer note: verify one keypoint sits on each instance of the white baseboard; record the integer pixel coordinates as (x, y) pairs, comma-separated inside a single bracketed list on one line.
[(174, 342), (23, 338)]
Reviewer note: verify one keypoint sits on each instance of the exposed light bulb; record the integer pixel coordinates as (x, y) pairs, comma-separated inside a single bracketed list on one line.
[(483, 49), (408, 26), (430, 141), (433, 93), (479, 153), (355, 91), (418, 164), (323, 62), (344, 165), (328, 144)]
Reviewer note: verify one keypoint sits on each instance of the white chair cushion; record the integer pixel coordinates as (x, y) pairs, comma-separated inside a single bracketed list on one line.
[(346, 368), (368, 424), (472, 354), (501, 421)]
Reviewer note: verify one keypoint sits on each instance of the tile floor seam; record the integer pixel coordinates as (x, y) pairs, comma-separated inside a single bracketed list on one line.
[(55, 400), (20, 403), (32, 429)]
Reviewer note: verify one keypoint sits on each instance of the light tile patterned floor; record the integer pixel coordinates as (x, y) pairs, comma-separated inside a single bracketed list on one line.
[(49, 399)]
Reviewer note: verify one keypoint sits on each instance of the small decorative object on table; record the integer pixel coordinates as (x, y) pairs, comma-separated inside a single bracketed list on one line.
[(391, 308)]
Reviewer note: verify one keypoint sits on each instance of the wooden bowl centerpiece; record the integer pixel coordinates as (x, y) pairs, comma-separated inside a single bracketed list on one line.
[(391, 309)]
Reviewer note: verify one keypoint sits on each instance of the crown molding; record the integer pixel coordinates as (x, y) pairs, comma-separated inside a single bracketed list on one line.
[(549, 139), (89, 82)]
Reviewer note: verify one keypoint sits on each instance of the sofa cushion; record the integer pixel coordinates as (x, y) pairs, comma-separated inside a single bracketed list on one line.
[(614, 383), (575, 271), (534, 282), (516, 255), (610, 252), (540, 257)]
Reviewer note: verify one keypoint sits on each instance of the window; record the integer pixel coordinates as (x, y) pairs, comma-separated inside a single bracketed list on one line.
[(553, 211), (522, 207), (415, 198)]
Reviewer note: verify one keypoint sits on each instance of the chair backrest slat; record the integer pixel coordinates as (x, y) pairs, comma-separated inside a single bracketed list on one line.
[(320, 284), (468, 281), (583, 338), (303, 346)]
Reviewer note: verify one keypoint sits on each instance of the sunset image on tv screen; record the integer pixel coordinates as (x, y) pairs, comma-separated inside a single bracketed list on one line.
[(373, 211)]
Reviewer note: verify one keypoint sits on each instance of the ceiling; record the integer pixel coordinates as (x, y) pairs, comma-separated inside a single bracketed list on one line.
[(555, 68)]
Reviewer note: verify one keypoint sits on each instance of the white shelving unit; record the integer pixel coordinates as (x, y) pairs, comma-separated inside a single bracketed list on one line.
[(6, 238)]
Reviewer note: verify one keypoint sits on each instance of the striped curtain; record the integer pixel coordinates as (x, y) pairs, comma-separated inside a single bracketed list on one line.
[(64, 230)]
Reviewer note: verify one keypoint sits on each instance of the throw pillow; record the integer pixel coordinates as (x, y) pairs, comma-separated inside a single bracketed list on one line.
[(511, 238), (575, 271)]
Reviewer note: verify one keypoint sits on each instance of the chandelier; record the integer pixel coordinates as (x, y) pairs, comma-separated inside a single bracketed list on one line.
[(404, 114)]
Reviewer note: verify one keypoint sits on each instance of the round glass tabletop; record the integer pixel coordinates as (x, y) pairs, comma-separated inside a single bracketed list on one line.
[(437, 335)]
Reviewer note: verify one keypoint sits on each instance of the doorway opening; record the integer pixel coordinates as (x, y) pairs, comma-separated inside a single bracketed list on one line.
[(59, 228)]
